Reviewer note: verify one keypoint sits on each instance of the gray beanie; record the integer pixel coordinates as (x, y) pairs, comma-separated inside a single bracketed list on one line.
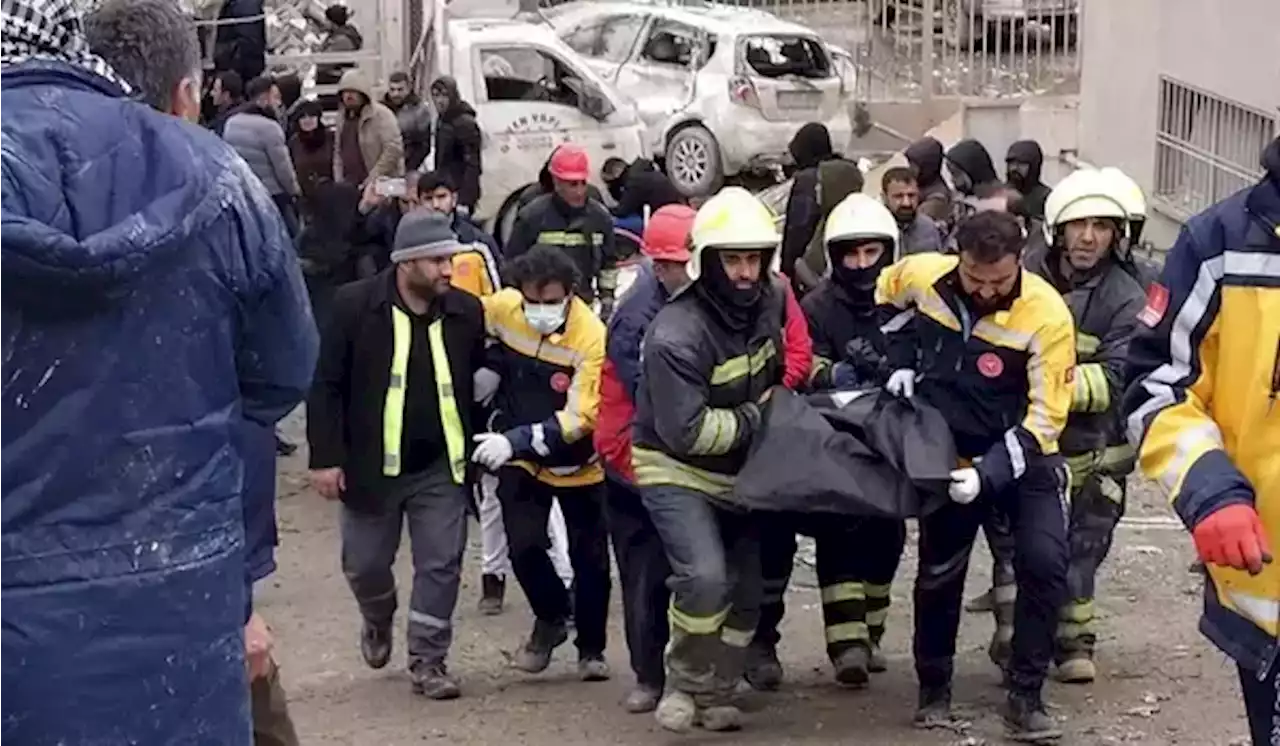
[(424, 234)]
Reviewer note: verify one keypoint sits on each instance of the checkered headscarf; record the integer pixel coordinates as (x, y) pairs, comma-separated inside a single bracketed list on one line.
[(51, 30)]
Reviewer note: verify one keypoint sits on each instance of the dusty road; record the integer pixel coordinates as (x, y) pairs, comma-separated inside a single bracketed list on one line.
[(1161, 683)]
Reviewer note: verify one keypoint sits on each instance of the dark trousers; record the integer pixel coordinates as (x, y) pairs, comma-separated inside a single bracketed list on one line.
[(1037, 507), (1096, 509), (856, 561), (288, 213), (1262, 705), (526, 507), (643, 571), (272, 725)]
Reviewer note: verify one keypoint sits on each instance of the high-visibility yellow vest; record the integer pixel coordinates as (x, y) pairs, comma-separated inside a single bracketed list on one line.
[(393, 405)]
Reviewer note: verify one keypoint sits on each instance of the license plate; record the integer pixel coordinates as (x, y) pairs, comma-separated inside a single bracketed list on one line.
[(799, 99)]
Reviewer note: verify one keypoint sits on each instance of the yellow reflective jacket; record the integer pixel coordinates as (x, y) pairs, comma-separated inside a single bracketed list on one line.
[(1204, 375), (550, 392), (475, 270), (1002, 381)]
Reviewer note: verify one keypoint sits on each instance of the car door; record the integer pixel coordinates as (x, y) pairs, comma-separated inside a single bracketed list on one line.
[(659, 74), (605, 42)]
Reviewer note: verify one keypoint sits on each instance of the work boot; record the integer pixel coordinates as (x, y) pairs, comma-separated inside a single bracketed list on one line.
[(535, 656), (720, 718), (493, 589), (763, 670), (433, 681), (1026, 720), (1001, 648), (1077, 669), (375, 644), (676, 712), (878, 663), (641, 699), (979, 604), (853, 666), (593, 668), (934, 709)]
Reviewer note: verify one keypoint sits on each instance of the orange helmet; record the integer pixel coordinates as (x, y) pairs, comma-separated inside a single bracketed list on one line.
[(666, 237), (569, 163)]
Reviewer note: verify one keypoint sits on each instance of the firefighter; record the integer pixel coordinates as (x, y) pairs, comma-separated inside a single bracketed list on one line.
[(570, 220), (1086, 233), (710, 359), (1135, 204), (548, 350), (862, 238), (988, 344)]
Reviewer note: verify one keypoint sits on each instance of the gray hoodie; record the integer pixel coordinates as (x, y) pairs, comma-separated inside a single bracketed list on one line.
[(257, 136)]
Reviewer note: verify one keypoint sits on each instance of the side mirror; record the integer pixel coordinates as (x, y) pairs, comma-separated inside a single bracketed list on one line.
[(595, 105)]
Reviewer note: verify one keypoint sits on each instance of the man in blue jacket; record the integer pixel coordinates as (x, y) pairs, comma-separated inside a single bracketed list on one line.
[(155, 324)]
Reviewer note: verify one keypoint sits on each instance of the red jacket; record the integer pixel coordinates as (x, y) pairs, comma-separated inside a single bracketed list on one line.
[(622, 365)]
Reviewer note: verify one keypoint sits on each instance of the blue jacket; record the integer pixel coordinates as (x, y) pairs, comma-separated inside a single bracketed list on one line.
[(155, 325), (630, 320)]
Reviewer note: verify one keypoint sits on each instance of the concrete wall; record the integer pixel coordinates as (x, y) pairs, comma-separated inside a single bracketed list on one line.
[(1227, 48)]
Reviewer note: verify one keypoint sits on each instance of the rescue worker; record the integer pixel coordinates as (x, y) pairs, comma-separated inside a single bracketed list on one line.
[(642, 186), (900, 190), (1086, 233), (570, 220), (1135, 204), (388, 425), (990, 344), (547, 185), (711, 358), (1023, 164), (823, 179), (926, 157), (548, 350), (856, 557), (1203, 377)]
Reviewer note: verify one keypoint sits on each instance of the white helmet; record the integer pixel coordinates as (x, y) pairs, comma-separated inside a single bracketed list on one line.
[(1085, 193), (734, 219), (859, 216), (1130, 194)]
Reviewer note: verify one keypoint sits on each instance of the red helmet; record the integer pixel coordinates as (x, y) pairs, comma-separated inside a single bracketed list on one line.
[(666, 237), (570, 163)]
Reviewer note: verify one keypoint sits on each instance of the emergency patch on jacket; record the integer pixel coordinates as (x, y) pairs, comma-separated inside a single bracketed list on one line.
[(560, 383), (990, 365), (1157, 304)]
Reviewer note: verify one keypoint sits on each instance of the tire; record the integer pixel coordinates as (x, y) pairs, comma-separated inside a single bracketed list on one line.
[(693, 161)]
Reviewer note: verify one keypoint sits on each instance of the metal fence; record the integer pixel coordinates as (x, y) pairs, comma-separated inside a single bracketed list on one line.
[(908, 50)]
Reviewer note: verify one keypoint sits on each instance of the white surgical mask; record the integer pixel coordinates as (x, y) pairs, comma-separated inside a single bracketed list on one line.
[(545, 318)]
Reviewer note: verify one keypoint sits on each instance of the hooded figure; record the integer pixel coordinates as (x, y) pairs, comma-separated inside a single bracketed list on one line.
[(1022, 171), (311, 148), (367, 142), (458, 141), (343, 37), (811, 145), (925, 156), (823, 179), (970, 167), (156, 328)]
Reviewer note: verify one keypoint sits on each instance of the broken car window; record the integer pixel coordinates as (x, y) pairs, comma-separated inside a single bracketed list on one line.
[(675, 44), (776, 56)]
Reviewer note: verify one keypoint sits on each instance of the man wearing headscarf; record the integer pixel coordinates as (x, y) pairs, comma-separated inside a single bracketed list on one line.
[(156, 328)]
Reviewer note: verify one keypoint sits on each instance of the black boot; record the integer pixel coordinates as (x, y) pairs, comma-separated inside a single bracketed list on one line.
[(1027, 721), (493, 592), (535, 656), (375, 644), (763, 669), (934, 709)]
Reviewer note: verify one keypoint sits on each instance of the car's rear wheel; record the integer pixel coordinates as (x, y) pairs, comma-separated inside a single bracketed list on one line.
[(693, 161)]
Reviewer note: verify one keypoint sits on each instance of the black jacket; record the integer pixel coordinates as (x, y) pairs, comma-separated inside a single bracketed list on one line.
[(1034, 191), (815, 191), (545, 185), (242, 46), (971, 157), (865, 453), (925, 156), (645, 186), (345, 408), (584, 233), (843, 331), (458, 144), (414, 118)]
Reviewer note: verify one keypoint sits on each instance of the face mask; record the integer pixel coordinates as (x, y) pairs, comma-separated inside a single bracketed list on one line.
[(545, 318)]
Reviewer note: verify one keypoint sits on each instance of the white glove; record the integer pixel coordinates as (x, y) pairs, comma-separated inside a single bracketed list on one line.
[(484, 384), (493, 450), (902, 382), (965, 485)]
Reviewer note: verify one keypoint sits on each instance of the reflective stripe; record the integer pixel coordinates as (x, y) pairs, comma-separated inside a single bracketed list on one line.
[(847, 631), (569, 238), (1090, 392), (736, 638), (877, 617), (898, 322), (393, 404), (716, 434), (538, 440), (654, 468), (877, 590), (428, 620), (1079, 611), (450, 419), (1005, 594), (743, 365), (1082, 467), (834, 594), (1074, 630), (1265, 612), (696, 625), (1118, 458), (1086, 344), (1017, 457)]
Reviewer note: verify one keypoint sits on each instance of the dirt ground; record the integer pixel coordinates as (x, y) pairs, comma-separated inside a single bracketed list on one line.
[(1161, 683)]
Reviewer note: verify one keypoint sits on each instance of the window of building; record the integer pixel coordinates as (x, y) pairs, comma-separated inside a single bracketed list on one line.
[(1207, 147)]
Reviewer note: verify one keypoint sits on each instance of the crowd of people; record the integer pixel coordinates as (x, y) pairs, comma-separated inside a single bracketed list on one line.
[(171, 293)]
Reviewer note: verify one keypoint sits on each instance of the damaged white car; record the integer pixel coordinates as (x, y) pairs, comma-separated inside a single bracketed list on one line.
[(721, 90)]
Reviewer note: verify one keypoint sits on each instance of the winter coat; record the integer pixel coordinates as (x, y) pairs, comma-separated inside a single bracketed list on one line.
[(584, 233), (923, 235), (814, 194), (862, 453), (971, 157), (241, 47), (313, 163), (458, 145), (645, 186), (153, 315), (414, 118), (843, 331), (381, 146), (256, 135), (925, 156), (345, 38), (1034, 191)]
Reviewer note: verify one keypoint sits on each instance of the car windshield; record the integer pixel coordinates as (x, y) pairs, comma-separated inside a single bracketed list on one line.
[(775, 56)]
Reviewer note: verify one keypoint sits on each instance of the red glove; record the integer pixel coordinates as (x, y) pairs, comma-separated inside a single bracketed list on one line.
[(1233, 537)]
